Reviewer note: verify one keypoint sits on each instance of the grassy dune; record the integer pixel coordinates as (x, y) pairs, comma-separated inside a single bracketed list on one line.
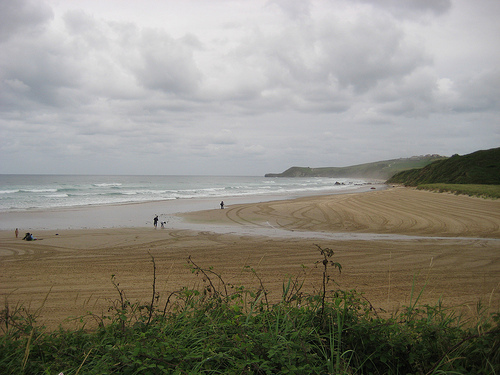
[(473, 190)]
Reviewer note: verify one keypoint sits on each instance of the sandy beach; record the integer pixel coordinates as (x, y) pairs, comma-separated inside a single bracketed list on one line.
[(388, 242)]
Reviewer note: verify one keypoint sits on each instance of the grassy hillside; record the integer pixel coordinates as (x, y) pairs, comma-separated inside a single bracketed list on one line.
[(377, 170), (481, 167)]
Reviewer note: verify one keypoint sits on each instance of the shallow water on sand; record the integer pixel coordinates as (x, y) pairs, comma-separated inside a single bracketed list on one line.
[(135, 214)]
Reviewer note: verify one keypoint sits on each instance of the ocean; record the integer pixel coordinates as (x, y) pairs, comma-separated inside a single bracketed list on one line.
[(41, 192)]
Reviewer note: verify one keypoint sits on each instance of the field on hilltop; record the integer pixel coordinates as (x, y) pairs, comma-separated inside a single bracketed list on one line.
[(381, 170)]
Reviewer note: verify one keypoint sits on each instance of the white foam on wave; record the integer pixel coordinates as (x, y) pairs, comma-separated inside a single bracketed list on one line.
[(112, 184), (40, 192), (9, 191)]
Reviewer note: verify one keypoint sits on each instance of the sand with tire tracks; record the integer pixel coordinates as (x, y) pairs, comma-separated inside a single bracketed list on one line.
[(389, 243)]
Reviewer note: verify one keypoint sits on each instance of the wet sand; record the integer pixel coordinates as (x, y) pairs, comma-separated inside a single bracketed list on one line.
[(389, 243)]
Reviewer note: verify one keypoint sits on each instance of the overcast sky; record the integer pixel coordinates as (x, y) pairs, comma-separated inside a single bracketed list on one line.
[(243, 87)]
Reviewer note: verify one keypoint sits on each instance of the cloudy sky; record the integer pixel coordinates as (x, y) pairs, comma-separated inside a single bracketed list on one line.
[(243, 87)]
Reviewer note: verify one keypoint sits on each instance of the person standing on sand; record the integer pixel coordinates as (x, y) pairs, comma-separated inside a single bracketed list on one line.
[(17, 232), (155, 221), (222, 205)]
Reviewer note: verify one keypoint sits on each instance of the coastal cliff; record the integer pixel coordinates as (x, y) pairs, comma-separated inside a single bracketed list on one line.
[(381, 170)]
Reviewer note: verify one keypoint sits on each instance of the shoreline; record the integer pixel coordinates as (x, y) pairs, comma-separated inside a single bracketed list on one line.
[(390, 242), (140, 214)]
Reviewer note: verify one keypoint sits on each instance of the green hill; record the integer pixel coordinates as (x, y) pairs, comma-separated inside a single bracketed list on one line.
[(480, 167), (377, 170)]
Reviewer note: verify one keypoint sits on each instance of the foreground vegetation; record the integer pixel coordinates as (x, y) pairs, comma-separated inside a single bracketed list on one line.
[(482, 191), (222, 328)]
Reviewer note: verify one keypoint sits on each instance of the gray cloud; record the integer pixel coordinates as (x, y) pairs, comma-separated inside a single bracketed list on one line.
[(294, 9), (479, 92), (25, 17), (411, 8), (165, 64), (243, 87)]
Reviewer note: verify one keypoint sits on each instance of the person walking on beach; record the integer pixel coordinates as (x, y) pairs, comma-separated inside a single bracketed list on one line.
[(17, 232), (155, 221), (222, 205)]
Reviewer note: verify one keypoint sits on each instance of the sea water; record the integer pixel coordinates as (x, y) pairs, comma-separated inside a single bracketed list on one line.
[(35, 192)]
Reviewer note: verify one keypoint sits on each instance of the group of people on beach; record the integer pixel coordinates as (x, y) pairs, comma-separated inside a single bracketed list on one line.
[(27, 237), (162, 223), (30, 237)]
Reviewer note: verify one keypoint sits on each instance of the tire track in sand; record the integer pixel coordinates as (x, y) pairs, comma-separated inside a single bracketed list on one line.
[(397, 211)]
